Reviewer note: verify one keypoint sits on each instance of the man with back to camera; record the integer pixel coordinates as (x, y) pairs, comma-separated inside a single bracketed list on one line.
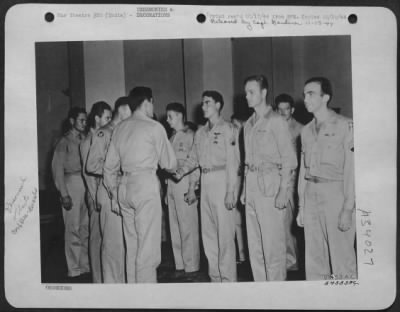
[(113, 249), (214, 152), (67, 175), (181, 198), (99, 116), (284, 104), (137, 146), (270, 160), (326, 187)]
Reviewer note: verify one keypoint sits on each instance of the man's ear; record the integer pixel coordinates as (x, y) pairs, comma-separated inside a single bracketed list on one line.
[(218, 104), (264, 93), (326, 97), (71, 121)]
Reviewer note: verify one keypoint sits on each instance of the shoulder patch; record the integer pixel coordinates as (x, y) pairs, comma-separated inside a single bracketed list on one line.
[(100, 134)]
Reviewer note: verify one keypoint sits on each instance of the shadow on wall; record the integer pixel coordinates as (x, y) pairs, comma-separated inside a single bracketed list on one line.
[(240, 107), (300, 112), (198, 116)]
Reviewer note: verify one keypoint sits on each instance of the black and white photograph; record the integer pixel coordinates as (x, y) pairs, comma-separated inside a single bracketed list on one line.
[(229, 114), (219, 153)]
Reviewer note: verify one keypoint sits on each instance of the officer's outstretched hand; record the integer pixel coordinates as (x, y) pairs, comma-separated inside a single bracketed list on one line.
[(66, 202), (300, 217), (115, 207), (230, 201), (190, 197), (281, 199), (345, 220)]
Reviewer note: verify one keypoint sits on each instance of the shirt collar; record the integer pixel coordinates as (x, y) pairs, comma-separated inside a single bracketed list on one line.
[(332, 117), (219, 122)]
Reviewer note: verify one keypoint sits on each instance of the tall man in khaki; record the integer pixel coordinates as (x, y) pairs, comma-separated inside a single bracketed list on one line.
[(138, 145), (183, 214), (270, 160), (67, 175), (284, 105), (214, 152), (112, 249), (99, 116), (326, 187)]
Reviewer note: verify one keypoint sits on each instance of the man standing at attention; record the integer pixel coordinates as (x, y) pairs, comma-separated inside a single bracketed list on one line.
[(214, 152), (284, 104), (67, 175), (270, 160), (113, 249), (138, 145), (99, 116), (182, 201), (326, 187)]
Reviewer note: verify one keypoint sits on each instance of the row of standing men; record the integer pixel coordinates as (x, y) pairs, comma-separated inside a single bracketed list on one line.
[(119, 158)]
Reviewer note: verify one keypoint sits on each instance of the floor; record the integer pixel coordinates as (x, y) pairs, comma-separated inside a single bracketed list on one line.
[(54, 266)]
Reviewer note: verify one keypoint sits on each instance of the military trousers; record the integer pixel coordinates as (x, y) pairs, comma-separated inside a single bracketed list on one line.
[(76, 222), (113, 248), (184, 227), (217, 228), (328, 250), (291, 244), (140, 201), (266, 231), (239, 234), (94, 242)]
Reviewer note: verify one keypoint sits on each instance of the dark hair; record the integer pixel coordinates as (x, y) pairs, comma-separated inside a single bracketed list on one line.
[(98, 109), (216, 96), (121, 101), (138, 95), (261, 79), (284, 98), (72, 114), (325, 84), (176, 107), (75, 111)]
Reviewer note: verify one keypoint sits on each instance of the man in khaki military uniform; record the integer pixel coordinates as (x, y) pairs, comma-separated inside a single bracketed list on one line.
[(137, 146), (67, 175), (113, 249), (214, 152), (270, 160), (183, 215), (284, 104), (99, 116), (326, 187)]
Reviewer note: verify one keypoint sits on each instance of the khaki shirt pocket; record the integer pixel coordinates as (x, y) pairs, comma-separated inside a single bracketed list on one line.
[(332, 151)]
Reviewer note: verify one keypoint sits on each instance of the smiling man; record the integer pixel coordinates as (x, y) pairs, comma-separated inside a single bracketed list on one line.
[(326, 187), (214, 152)]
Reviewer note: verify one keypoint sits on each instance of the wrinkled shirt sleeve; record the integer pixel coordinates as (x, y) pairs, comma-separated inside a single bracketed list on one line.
[(167, 158), (97, 154), (57, 166), (112, 167), (286, 151)]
